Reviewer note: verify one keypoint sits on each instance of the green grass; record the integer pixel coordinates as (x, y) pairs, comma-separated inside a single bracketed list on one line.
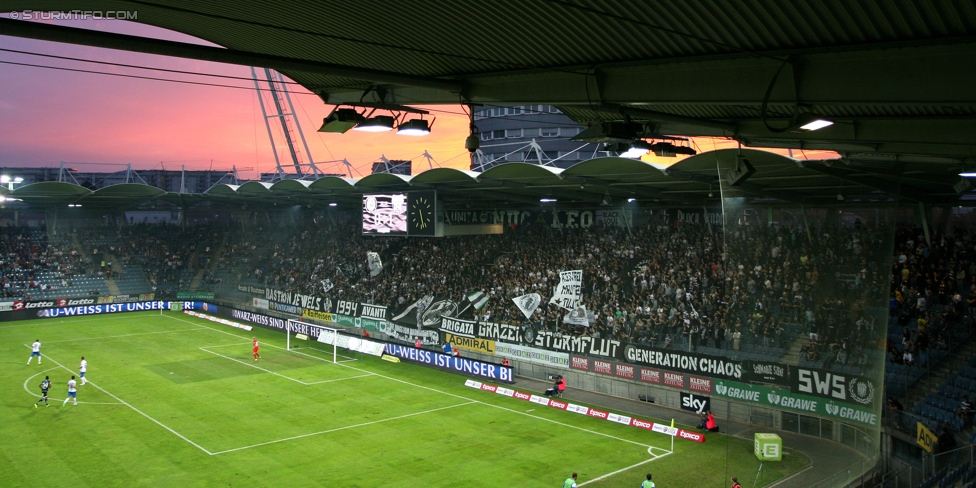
[(178, 401)]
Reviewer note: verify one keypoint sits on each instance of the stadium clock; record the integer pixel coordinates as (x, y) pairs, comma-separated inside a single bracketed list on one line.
[(421, 214)]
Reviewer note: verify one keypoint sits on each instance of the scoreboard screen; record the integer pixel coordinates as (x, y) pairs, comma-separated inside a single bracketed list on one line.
[(385, 214)]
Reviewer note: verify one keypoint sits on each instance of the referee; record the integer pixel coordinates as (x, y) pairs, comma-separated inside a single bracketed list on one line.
[(45, 385)]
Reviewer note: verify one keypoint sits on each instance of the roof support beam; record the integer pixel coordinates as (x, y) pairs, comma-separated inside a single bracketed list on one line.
[(902, 190), (56, 33)]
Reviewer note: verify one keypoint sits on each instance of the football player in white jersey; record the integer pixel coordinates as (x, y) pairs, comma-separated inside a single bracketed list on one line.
[(81, 370), (35, 351), (72, 391)]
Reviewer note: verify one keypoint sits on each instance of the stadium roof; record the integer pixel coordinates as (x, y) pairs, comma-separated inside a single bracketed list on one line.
[(693, 181), (895, 77)]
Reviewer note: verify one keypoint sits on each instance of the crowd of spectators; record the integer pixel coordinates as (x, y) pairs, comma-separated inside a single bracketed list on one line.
[(932, 290), (31, 262), (659, 285)]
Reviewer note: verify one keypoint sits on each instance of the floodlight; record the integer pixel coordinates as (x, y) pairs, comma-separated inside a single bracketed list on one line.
[(377, 123), (743, 169), (333, 204), (547, 200), (666, 149), (341, 120), (811, 122), (415, 127), (630, 150)]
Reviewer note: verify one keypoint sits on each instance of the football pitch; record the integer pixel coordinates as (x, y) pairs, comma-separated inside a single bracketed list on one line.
[(173, 400)]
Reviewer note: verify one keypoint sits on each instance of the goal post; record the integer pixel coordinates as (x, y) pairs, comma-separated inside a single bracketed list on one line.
[(302, 335)]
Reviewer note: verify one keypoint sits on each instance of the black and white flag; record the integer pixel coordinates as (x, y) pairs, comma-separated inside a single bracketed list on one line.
[(326, 285), (374, 262), (569, 291), (528, 303), (577, 317)]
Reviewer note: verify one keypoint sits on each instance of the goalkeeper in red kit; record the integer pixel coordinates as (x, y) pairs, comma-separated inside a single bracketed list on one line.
[(254, 341)]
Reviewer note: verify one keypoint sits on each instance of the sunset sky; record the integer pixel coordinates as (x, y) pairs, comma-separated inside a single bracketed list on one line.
[(48, 116)]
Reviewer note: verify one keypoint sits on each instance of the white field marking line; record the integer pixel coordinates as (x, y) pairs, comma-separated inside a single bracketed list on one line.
[(50, 398), (140, 412), (341, 358), (253, 366), (798, 473), (80, 320), (245, 363), (442, 392), (337, 429), (118, 336), (654, 457), (340, 379)]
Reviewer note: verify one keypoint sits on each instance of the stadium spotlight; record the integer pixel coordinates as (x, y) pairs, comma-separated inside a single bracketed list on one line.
[(377, 123), (547, 200), (10, 182), (414, 127), (631, 200), (630, 150), (341, 120), (668, 150), (810, 122), (333, 204)]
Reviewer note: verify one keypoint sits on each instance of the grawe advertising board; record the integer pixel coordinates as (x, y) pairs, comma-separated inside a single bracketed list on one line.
[(798, 402), (584, 410), (454, 364)]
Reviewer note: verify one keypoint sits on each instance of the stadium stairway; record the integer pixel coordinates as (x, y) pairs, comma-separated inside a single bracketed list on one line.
[(940, 374), (113, 287), (792, 356), (197, 278)]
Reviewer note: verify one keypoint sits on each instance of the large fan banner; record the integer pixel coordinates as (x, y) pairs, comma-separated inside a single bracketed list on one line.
[(569, 292)]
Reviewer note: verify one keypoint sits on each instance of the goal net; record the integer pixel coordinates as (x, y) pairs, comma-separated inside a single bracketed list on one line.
[(325, 340)]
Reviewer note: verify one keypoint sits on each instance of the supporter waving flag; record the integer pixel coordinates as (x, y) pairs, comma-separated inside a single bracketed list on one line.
[(528, 303), (374, 262), (577, 317)]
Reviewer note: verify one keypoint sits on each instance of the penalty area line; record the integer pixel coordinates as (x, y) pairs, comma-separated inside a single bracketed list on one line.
[(304, 383), (422, 387), (254, 366), (337, 429), (654, 457)]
